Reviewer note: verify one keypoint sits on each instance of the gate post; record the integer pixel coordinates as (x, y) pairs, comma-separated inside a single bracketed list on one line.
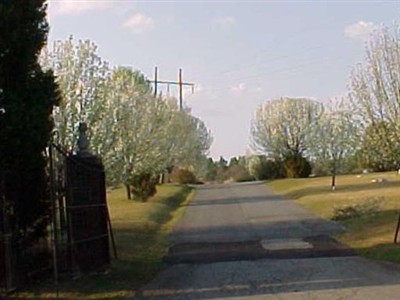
[(87, 212)]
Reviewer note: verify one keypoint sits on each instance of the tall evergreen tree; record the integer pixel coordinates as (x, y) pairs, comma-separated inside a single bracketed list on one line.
[(27, 94)]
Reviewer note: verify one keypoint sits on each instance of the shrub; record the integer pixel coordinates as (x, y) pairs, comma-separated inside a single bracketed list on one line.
[(370, 207), (183, 176), (271, 170), (143, 186), (262, 168), (239, 174), (297, 166)]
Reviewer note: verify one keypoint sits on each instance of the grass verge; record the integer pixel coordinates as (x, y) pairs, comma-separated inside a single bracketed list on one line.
[(371, 235), (140, 230)]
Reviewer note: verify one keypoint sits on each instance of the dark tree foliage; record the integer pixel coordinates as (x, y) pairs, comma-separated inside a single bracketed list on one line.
[(297, 166), (269, 169), (212, 170), (222, 163), (233, 162), (143, 186), (27, 94)]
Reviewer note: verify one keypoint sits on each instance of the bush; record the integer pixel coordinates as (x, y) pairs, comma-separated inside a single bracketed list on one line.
[(239, 174), (271, 170), (297, 166), (183, 176), (143, 186), (262, 168)]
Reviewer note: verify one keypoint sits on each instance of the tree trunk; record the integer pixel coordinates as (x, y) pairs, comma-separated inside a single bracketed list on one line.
[(333, 182), (128, 191), (333, 185), (161, 178)]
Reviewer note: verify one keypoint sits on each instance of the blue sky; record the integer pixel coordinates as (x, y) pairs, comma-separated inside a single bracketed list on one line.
[(238, 53)]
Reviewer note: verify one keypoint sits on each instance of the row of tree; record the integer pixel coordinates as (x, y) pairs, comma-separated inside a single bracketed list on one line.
[(138, 134), (243, 168), (363, 124), (42, 89)]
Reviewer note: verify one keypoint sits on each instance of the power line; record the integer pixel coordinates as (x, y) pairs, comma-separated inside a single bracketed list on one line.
[(288, 72), (279, 41)]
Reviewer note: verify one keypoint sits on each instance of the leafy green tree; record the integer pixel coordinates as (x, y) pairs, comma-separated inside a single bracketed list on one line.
[(375, 93), (375, 152), (242, 161), (212, 169), (28, 95), (142, 185), (222, 163), (233, 161), (262, 168)]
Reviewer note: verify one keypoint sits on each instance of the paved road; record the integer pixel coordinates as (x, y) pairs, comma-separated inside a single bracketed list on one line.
[(240, 241)]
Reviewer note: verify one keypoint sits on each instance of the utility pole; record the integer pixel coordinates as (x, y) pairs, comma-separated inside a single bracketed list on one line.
[(180, 90), (155, 81), (180, 83)]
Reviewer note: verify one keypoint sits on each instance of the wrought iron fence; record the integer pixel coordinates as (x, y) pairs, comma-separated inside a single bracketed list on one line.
[(78, 235)]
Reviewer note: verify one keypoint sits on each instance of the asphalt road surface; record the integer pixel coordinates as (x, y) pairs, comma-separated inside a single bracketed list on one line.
[(240, 241)]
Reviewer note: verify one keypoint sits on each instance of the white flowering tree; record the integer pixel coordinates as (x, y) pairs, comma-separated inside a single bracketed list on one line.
[(375, 92), (81, 76), (284, 126), (189, 139), (131, 138), (336, 136), (134, 132), (192, 140)]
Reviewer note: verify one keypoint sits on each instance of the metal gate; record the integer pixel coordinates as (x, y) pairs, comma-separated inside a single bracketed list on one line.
[(78, 238), (80, 215)]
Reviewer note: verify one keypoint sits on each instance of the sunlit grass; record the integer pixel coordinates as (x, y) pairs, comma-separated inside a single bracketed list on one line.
[(370, 235), (140, 230)]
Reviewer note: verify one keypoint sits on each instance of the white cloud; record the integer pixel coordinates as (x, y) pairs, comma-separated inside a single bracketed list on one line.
[(198, 88), (238, 89), (139, 23), (360, 30), (75, 7), (225, 22)]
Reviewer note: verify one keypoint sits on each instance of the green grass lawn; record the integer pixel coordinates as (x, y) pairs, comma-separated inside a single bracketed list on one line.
[(140, 230), (371, 235)]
